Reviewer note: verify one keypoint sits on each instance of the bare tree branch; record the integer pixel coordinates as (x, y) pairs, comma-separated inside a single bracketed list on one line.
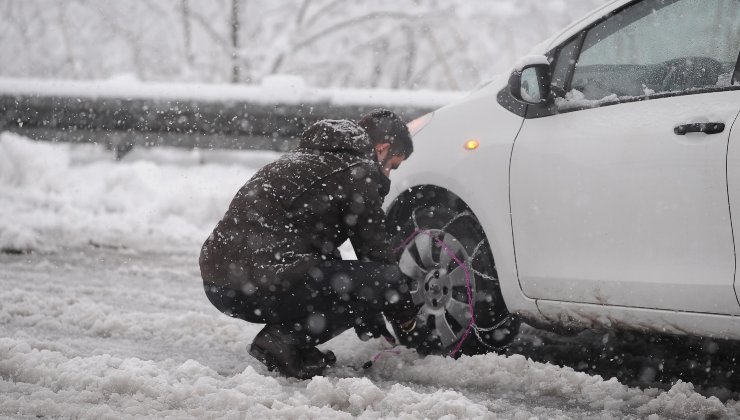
[(71, 62), (442, 57), (206, 26), (157, 8), (410, 60), (235, 53), (132, 37), (302, 13), (429, 66), (323, 10), (275, 68), (187, 33), (348, 23)]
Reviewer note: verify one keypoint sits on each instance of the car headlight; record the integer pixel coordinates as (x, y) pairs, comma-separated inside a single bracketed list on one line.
[(418, 124)]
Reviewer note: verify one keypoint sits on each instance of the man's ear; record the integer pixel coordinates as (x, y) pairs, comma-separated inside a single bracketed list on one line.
[(382, 147), (382, 150)]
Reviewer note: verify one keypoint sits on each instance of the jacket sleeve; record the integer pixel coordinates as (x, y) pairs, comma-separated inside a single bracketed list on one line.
[(364, 218)]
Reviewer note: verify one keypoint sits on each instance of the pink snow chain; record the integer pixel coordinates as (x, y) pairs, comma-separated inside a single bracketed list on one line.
[(467, 284)]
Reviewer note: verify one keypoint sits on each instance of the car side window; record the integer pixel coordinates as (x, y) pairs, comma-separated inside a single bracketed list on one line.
[(564, 62), (655, 47)]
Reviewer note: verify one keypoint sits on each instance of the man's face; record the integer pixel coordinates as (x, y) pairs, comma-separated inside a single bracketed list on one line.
[(389, 162), (392, 163)]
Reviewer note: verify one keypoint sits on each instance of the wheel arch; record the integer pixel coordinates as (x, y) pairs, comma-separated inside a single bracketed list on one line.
[(401, 208), (435, 210)]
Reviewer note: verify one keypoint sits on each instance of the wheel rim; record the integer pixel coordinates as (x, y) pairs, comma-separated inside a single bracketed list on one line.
[(439, 283)]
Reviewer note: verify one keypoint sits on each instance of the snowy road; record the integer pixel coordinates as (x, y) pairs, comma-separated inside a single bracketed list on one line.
[(117, 333), (106, 318)]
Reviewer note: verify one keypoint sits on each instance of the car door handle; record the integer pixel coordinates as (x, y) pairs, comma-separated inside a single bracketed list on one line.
[(706, 128)]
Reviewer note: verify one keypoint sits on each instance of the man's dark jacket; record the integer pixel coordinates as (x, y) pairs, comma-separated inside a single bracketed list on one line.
[(295, 212)]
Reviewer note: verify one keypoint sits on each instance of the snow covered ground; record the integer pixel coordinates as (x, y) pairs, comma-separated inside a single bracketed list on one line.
[(106, 318)]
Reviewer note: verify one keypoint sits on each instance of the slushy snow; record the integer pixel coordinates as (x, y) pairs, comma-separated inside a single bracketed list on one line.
[(107, 318)]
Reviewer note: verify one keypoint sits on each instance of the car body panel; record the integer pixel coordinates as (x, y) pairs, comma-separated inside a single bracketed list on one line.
[(733, 188), (610, 206)]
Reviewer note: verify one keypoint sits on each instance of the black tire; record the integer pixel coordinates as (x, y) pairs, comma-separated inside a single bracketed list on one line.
[(458, 229)]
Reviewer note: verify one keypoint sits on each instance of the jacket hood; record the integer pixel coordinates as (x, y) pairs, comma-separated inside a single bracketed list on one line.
[(338, 136)]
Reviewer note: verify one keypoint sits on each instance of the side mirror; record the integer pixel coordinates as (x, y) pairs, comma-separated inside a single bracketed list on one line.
[(530, 80)]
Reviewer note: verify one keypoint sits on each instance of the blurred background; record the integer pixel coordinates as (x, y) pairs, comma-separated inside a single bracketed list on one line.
[(393, 44)]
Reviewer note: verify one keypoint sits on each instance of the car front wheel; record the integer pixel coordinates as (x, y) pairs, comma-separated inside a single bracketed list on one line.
[(454, 282)]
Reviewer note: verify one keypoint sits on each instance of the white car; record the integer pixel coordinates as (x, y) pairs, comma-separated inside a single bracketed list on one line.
[(593, 188)]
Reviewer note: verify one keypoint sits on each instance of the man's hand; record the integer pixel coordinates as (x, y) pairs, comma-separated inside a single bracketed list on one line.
[(373, 328)]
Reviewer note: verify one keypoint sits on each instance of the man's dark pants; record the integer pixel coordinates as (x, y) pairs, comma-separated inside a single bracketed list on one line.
[(331, 298)]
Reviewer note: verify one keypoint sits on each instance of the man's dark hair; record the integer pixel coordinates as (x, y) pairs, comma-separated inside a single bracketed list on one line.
[(384, 126)]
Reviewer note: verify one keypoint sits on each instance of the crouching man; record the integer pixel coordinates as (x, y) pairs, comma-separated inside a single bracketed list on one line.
[(273, 258)]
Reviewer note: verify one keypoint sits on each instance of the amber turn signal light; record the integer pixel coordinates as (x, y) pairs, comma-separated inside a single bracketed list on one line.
[(472, 144)]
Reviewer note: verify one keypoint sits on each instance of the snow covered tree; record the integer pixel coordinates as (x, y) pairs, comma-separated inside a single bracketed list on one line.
[(386, 43)]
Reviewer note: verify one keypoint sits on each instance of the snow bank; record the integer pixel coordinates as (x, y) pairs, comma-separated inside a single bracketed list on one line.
[(40, 382), (280, 89), (61, 195), (516, 375)]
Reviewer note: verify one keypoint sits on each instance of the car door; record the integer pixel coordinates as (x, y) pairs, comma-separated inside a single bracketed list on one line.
[(733, 187), (619, 190)]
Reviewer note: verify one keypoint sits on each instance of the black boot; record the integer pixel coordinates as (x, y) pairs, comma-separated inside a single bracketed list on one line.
[(282, 351), (314, 358)]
